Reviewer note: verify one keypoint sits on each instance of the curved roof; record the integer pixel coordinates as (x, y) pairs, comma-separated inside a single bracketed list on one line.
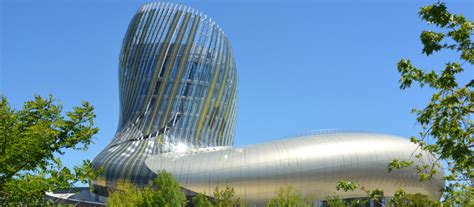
[(312, 164)]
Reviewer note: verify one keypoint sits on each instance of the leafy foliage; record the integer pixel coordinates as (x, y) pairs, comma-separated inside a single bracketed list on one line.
[(168, 190), (335, 201), (32, 140), (287, 196), (165, 191), (226, 198), (398, 164), (222, 198), (401, 198), (132, 195), (346, 186), (462, 197), (446, 120), (375, 195), (162, 191), (201, 200)]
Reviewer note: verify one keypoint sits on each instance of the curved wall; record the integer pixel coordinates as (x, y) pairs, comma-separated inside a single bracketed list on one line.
[(178, 90), (313, 164)]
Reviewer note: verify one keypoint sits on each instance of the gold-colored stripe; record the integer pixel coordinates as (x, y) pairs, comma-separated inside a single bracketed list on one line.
[(182, 63), (205, 109), (230, 104), (126, 53), (132, 86), (224, 80), (166, 75), (159, 63), (221, 89), (225, 119)]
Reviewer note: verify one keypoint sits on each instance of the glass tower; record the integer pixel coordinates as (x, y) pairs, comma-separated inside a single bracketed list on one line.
[(178, 91)]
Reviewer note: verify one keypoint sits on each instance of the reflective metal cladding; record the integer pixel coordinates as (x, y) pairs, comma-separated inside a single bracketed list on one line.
[(313, 164), (178, 89), (178, 92)]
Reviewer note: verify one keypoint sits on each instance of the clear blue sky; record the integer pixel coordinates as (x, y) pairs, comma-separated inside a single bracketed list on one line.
[(303, 65)]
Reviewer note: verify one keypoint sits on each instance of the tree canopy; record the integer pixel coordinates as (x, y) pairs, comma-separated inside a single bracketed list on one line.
[(446, 119), (201, 200), (287, 196), (164, 190), (221, 198), (33, 140)]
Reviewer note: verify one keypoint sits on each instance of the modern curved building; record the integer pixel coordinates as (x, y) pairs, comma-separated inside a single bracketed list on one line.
[(178, 95), (178, 88)]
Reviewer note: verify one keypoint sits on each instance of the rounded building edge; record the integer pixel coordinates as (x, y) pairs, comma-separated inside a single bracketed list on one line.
[(313, 164)]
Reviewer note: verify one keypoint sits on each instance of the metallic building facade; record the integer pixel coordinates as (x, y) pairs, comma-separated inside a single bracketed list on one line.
[(178, 92), (313, 164), (178, 88)]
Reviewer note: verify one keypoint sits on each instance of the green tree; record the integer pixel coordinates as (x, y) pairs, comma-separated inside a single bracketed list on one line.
[(164, 190), (169, 191), (226, 198), (132, 195), (221, 198), (335, 201), (347, 186), (32, 141), (287, 196), (463, 196), (201, 200), (401, 199), (374, 195), (446, 120)]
